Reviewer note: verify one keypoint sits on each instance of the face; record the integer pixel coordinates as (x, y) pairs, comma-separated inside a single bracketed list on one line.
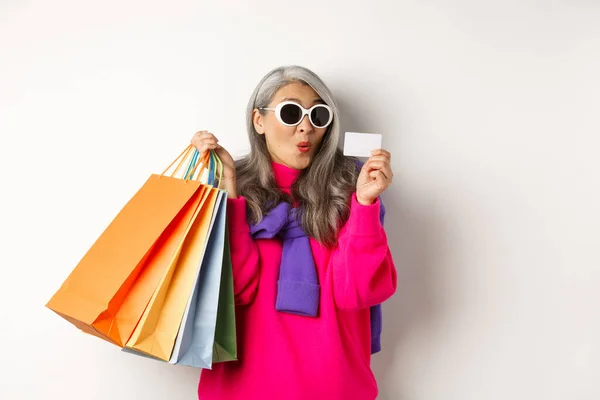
[(283, 141)]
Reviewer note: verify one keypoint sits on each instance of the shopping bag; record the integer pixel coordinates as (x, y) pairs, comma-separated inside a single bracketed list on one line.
[(225, 347), (212, 335), (196, 337), (157, 329), (110, 287), (225, 340), (154, 335), (153, 268)]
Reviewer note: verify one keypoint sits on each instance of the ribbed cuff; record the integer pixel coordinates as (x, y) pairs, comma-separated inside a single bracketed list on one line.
[(300, 298), (364, 220)]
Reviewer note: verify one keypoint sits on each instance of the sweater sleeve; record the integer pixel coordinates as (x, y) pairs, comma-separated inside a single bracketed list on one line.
[(244, 253), (363, 270)]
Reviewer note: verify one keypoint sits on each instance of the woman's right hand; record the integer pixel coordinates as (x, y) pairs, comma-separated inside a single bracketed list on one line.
[(204, 141)]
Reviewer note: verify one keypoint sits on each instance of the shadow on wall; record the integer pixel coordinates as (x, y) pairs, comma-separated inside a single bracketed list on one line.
[(411, 227)]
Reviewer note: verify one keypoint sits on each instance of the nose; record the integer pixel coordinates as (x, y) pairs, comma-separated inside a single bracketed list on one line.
[(305, 125)]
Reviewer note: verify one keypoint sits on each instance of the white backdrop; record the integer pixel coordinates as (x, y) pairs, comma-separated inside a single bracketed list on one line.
[(490, 110)]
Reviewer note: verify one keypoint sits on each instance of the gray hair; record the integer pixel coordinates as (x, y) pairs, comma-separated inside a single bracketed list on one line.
[(324, 188)]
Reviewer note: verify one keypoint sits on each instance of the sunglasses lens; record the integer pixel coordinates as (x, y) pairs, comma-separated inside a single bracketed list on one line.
[(290, 114), (320, 116)]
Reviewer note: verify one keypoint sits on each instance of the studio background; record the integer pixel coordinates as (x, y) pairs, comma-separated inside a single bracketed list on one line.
[(490, 111)]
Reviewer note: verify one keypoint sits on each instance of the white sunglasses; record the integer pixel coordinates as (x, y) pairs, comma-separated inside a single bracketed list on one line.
[(290, 113)]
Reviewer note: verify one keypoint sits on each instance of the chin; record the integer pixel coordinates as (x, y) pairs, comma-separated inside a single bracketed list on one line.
[(298, 162), (302, 163)]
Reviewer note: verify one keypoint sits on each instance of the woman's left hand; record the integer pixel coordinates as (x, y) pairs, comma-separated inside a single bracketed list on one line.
[(375, 177)]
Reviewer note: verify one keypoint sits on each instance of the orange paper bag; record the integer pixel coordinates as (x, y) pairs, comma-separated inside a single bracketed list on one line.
[(108, 291), (157, 330), (152, 269)]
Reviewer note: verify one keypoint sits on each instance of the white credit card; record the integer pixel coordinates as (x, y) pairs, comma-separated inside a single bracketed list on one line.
[(360, 144)]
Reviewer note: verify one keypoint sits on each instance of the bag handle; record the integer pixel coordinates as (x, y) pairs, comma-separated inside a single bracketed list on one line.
[(212, 161), (185, 154)]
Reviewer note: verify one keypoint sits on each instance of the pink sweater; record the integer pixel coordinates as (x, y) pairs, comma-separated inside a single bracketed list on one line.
[(286, 356)]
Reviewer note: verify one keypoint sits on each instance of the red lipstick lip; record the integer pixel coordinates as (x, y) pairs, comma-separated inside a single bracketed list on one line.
[(303, 147)]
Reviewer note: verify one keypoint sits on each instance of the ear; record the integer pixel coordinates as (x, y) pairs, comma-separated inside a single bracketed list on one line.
[(258, 120)]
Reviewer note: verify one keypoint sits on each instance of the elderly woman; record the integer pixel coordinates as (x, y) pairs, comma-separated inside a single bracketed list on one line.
[(310, 256)]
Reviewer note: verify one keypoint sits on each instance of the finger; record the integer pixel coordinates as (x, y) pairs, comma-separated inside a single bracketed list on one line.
[(379, 158), (376, 164), (209, 141), (196, 137), (203, 145), (379, 179), (204, 135), (381, 152), (208, 135), (206, 139), (204, 149), (388, 173), (199, 134)]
